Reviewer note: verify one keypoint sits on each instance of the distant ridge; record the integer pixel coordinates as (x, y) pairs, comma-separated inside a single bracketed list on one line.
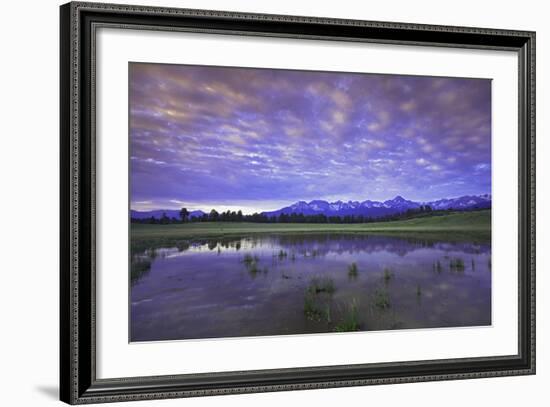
[(368, 208), (157, 214)]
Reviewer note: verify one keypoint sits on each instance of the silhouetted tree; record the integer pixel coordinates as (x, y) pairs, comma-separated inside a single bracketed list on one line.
[(184, 213), (214, 215)]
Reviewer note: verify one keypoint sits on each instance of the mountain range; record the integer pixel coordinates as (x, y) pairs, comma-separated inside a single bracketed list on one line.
[(377, 209), (366, 208)]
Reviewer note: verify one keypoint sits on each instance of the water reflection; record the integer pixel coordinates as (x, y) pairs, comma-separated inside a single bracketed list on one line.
[(295, 284)]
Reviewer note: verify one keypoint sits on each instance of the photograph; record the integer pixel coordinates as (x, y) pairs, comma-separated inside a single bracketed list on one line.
[(267, 202)]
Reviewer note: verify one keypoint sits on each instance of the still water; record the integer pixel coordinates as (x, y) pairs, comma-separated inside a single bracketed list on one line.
[(296, 284)]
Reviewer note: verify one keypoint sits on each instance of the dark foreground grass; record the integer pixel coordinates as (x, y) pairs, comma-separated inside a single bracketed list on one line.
[(350, 322), (455, 226)]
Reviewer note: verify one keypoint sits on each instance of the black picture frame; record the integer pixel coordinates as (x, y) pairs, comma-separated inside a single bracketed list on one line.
[(78, 382)]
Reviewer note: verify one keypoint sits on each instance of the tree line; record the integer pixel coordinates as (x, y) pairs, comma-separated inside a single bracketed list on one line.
[(238, 216)]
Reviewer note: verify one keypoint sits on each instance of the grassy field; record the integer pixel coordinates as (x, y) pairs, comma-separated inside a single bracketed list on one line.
[(456, 225)]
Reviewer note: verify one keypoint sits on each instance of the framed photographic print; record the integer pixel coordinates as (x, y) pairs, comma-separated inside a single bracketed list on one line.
[(257, 203)]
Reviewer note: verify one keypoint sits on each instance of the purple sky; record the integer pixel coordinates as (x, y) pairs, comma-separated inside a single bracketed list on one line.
[(260, 139)]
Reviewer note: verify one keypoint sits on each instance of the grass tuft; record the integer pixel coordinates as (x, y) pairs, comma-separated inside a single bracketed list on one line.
[(138, 269), (457, 264), (388, 275), (353, 270), (327, 313), (311, 310), (248, 259), (316, 307), (382, 299), (321, 285), (351, 320), (251, 264), (253, 269)]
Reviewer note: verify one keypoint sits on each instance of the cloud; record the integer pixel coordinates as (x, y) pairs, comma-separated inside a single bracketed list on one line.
[(205, 134), (482, 167), (375, 143), (422, 161), (434, 167), (408, 106), (427, 148)]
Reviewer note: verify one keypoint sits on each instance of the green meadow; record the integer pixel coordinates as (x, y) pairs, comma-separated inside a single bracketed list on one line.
[(471, 226)]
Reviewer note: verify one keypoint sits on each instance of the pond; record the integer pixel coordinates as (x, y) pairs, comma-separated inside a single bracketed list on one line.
[(307, 283)]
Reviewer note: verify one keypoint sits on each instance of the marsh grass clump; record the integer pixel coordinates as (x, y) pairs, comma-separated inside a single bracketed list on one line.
[(282, 254), (350, 322), (327, 313), (321, 285), (457, 264), (251, 264), (249, 260), (314, 309), (311, 311), (388, 275), (138, 269), (382, 299), (353, 270), (418, 294), (253, 269), (317, 299)]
